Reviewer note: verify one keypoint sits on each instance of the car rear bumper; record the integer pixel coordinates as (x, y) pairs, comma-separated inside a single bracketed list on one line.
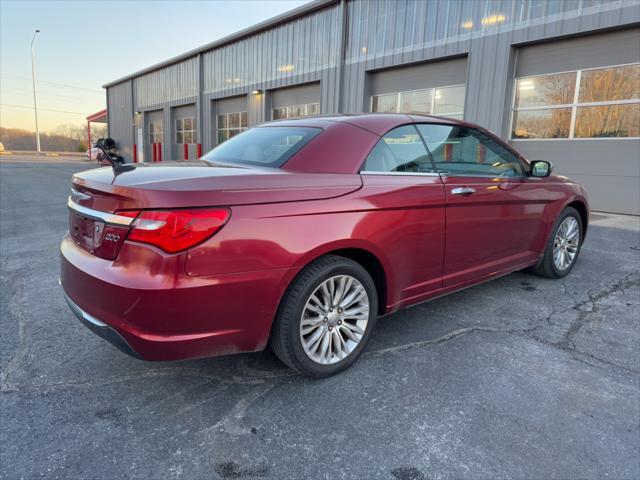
[(151, 309), (101, 329)]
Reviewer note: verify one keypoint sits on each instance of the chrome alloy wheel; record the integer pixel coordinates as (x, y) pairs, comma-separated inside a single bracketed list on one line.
[(334, 319), (566, 243)]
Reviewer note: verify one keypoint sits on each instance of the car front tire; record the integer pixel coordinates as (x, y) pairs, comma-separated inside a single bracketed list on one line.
[(563, 247), (326, 317)]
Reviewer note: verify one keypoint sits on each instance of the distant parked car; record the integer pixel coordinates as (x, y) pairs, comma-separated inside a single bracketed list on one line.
[(300, 233), (94, 152)]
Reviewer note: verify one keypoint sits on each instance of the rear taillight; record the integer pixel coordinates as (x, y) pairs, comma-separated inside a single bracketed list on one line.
[(175, 230)]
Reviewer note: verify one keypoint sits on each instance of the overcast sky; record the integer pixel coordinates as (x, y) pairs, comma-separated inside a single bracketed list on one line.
[(85, 44)]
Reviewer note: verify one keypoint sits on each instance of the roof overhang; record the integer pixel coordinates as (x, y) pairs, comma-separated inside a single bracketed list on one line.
[(98, 117)]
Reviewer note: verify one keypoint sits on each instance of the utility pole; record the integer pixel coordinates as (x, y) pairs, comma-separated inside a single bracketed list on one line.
[(35, 99)]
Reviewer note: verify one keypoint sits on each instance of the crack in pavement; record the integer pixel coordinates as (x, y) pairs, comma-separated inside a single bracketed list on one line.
[(565, 344), (566, 291), (525, 333), (587, 307), (436, 341)]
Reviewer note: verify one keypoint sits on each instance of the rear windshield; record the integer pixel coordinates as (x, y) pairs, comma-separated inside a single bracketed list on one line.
[(266, 146)]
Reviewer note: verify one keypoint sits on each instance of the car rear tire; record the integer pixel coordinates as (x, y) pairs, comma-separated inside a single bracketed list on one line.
[(326, 317), (563, 247)]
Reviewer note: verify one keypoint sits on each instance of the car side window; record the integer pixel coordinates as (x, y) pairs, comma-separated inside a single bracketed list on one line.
[(400, 150), (468, 151)]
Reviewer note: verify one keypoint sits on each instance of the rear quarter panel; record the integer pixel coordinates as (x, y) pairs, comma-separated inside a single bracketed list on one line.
[(401, 224)]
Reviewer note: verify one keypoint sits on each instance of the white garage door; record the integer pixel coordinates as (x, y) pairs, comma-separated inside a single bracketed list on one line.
[(295, 102), (577, 104), (436, 88)]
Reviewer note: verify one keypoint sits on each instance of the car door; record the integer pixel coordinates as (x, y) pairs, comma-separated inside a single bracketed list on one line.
[(407, 203), (494, 214)]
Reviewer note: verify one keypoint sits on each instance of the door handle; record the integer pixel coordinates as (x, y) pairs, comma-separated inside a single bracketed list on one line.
[(463, 191)]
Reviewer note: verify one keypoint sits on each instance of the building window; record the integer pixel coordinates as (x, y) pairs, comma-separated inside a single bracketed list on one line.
[(156, 135), (444, 101), (231, 124), (185, 130), (296, 111), (589, 103)]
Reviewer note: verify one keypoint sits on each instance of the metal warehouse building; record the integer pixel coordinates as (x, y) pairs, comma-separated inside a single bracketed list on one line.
[(560, 79)]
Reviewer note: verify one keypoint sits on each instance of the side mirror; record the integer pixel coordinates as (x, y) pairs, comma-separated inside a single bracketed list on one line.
[(540, 168)]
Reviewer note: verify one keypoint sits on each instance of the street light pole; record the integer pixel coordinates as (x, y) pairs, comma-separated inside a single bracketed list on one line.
[(35, 99)]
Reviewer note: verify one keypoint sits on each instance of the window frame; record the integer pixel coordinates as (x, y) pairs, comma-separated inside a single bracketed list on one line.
[(153, 134), (435, 173), (227, 129), (574, 106), (287, 107), (433, 99), (194, 132)]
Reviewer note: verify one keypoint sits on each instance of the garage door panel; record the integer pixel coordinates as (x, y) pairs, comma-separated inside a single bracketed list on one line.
[(613, 48), (154, 116), (593, 157), (557, 85), (416, 77), (231, 105), (184, 111), (616, 194), (301, 95)]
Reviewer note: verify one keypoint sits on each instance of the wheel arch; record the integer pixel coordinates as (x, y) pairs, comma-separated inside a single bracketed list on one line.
[(582, 209), (373, 266), (365, 254)]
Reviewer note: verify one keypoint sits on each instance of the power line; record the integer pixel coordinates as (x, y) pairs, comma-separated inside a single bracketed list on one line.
[(63, 85), (79, 95), (67, 98), (43, 109)]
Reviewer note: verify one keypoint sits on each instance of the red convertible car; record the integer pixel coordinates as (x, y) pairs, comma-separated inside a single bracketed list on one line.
[(300, 233)]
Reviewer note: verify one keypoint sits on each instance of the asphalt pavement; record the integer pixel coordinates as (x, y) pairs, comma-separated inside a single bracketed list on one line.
[(521, 377)]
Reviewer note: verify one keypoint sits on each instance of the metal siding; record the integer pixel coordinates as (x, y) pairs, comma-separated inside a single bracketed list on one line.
[(428, 34), (207, 125), (486, 91), (199, 102), (175, 83), (295, 52), (257, 108), (120, 119)]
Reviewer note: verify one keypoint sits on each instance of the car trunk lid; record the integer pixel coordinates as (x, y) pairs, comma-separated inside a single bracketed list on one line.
[(200, 185), (103, 191)]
